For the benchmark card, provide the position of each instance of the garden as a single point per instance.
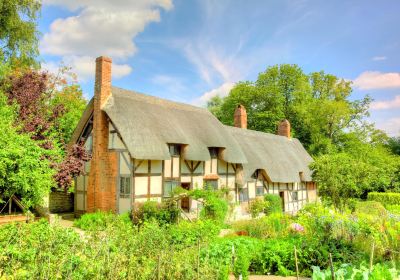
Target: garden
(153, 242)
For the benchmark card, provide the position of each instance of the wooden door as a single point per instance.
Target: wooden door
(185, 202)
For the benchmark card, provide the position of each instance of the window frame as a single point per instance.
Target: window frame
(297, 195)
(174, 150)
(174, 185)
(124, 187)
(257, 190)
(242, 192)
(213, 187)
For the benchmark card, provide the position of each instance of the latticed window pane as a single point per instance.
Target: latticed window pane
(295, 196)
(174, 150)
(259, 190)
(124, 187)
(169, 186)
(211, 184)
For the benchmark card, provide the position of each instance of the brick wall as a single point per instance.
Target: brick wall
(61, 202)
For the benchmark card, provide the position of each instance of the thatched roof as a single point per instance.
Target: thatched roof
(282, 158)
(147, 124)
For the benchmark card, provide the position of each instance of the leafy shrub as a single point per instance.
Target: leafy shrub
(100, 220)
(385, 198)
(189, 233)
(351, 272)
(394, 209)
(271, 226)
(215, 207)
(370, 208)
(165, 213)
(274, 204)
(256, 207)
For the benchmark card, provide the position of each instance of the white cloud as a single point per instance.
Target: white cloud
(100, 27)
(379, 58)
(222, 91)
(84, 67)
(377, 80)
(389, 104)
(391, 126)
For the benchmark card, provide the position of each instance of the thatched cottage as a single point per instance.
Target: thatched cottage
(143, 147)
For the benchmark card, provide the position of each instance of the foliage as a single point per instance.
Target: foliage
(394, 209)
(370, 208)
(24, 166)
(345, 175)
(47, 109)
(257, 206)
(18, 31)
(164, 213)
(271, 226)
(187, 233)
(394, 145)
(350, 272)
(100, 220)
(317, 105)
(215, 207)
(385, 198)
(274, 204)
(117, 251)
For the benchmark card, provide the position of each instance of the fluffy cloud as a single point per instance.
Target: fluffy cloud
(377, 80)
(221, 91)
(389, 104)
(100, 27)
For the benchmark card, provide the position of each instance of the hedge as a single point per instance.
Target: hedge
(385, 198)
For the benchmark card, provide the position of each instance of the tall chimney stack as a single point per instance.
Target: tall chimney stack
(101, 189)
(284, 128)
(240, 117)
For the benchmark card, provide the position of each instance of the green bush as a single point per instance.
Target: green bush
(394, 209)
(370, 208)
(165, 213)
(271, 226)
(100, 220)
(274, 204)
(351, 272)
(257, 206)
(385, 198)
(189, 233)
(215, 207)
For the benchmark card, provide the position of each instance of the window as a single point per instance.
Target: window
(213, 152)
(211, 184)
(259, 190)
(169, 186)
(174, 150)
(243, 195)
(295, 196)
(124, 186)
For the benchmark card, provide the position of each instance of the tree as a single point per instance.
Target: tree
(317, 105)
(18, 31)
(24, 166)
(394, 145)
(48, 109)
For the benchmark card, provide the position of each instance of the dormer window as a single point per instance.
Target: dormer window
(213, 152)
(174, 150)
(256, 174)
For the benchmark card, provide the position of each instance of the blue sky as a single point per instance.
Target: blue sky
(189, 51)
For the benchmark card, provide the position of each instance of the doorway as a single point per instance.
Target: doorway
(185, 201)
(282, 196)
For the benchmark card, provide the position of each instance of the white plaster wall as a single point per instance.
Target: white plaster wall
(140, 185)
(156, 166)
(252, 189)
(167, 168)
(142, 167)
(175, 171)
(156, 185)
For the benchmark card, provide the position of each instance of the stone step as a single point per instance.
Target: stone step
(67, 216)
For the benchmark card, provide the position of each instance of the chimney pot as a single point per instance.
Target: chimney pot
(284, 128)
(240, 117)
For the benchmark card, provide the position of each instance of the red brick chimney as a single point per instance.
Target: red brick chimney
(240, 117)
(284, 128)
(101, 192)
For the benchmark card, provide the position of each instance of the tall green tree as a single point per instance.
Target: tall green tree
(24, 166)
(18, 31)
(317, 105)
